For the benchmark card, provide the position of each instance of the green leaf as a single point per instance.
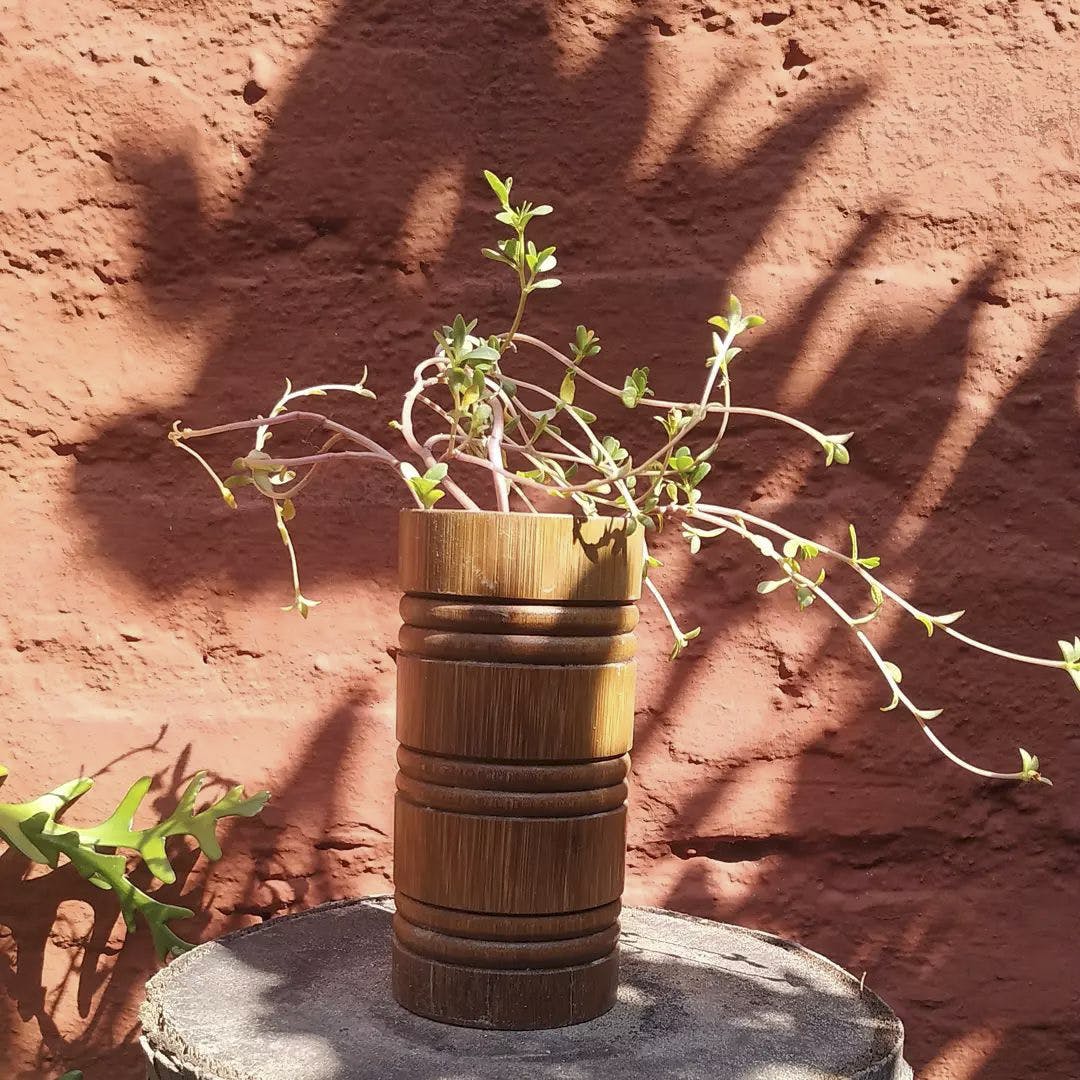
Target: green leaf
(928, 623)
(51, 803)
(585, 344)
(719, 320)
(854, 543)
(288, 510)
(482, 352)
(1029, 768)
(804, 596)
(766, 587)
(118, 830)
(835, 449)
(754, 320)
(894, 671)
(74, 1074)
(949, 619)
(546, 283)
(44, 840)
(701, 470)
(541, 211)
(500, 187)
(583, 414)
(426, 486)
(791, 548)
(635, 387)
(509, 248)
(111, 871)
(1071, 652)
(734, 307)
(302, 605)
(566, 389)
(682, 640)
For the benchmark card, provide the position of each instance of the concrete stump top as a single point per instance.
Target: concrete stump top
(307, 997)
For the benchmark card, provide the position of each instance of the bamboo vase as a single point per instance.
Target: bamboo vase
(515, 713)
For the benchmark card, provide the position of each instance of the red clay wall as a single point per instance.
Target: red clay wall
(201, 197)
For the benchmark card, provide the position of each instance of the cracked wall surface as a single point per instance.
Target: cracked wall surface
(199, 198)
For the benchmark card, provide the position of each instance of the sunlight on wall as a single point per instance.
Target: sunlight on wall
(431, 216)
(963, 1058)
(686, 88)
(579, 31)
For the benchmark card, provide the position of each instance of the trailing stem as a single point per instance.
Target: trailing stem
(538, 444)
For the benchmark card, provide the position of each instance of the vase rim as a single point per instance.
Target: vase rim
(462, 512)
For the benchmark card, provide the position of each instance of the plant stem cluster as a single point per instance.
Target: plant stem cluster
(538, 443)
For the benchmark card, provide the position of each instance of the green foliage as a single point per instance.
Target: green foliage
(34, 829)
(521, 255)
(636, 387)
(426, 486)
(1071, 651)
(539, 443)
(584, 345)
(836, 449)
(682, 640)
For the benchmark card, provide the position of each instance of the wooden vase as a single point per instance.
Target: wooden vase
(515, 714)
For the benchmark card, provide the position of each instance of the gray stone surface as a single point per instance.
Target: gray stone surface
(308, 998)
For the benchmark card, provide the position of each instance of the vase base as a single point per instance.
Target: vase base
(503, 999)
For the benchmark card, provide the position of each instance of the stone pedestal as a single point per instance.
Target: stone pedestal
(307, 997)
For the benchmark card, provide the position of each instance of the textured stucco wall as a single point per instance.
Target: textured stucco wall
(200, 197)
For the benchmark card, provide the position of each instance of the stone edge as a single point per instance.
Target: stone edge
(171, 1055)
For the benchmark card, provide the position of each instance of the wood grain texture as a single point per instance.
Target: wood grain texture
(511, 865)
(501, 776)
(516, 1000)
(485, 927)
(492, 617)
(515, 712)
(518, 556)
(515, 716)
(518, 648)
(462, 800)
(474, 952)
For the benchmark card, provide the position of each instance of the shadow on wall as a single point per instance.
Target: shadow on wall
(930, 911)
(332, 259)
(58, 918)
(303, 849)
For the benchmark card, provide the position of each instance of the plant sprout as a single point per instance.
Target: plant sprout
(33, 828)
(534, 442)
